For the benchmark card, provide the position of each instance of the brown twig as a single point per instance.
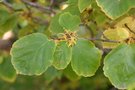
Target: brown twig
(129, 28)
(105, 36)
(51, 2)
(9, 6)
(103, 40)
(36, 19)
(47, 10)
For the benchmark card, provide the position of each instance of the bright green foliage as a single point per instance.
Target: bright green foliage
(69, 21)
(86, 58)
(7, 72)
(62, 55)
(32, 54)
(68, 39)
(83, 4)
(119, 66)
(115, 8)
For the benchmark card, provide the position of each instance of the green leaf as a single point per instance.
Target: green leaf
(83, 4)
(83, 32)
(86, 58)
(116, 34)
(26, 30)
(73, 9)
(69, 21)
(32, 54)
(115, 8)
(99, 17)
(1, 59)
(3, 16)
(18, 6)
(131, 87)
(55, 27)
(7, 72)
(70, 74)
(119, 66)
(72, 2)
(10, 22)
(62, 56)
(51, 74)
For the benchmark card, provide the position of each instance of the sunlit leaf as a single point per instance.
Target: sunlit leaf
(69, 21)
(86, 58)
(32, 54)
(119, 66)
(62, 55)
(118, 34)
(83, 4)
(115, 8)
(55, 27)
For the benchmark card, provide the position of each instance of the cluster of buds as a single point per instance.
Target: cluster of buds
(130, 40)
(69, 36)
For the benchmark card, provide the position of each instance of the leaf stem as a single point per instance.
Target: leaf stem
(103, 40)
(129, 28)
